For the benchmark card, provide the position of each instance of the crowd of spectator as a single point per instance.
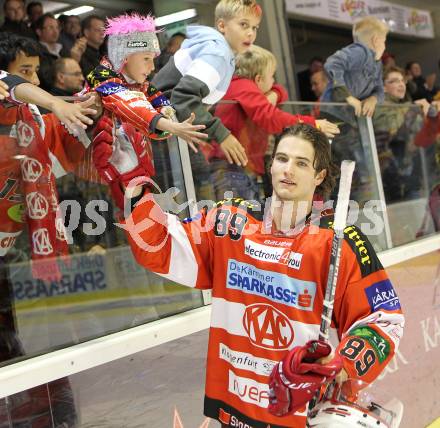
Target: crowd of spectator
(71, 47)
(81, 43)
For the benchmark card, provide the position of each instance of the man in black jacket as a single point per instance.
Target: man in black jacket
(67, 77)
(93, 30)
(14, 18)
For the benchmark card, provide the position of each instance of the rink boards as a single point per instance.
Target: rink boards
(149, 385)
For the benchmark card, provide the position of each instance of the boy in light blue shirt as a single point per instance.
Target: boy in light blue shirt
(200, 72)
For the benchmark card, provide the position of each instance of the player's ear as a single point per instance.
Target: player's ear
(320, 176)
(258, 78)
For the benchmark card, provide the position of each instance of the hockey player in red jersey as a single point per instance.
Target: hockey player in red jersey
(267, 268)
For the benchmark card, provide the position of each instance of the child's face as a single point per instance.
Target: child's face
(395, 85)
(240, 32)
(265, 81)
(378, 45)
(139, 66)
(25, 67)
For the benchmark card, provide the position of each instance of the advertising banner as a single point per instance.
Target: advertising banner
(401, 20)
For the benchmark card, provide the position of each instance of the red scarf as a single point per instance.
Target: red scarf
(44, 219)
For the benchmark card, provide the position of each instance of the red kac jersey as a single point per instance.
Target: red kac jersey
(267, 297)
(65, 152)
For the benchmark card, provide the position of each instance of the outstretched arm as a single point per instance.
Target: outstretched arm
(70, 114)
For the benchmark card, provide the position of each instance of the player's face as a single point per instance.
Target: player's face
(395, 85)
(294, 177)
(240, 32)
(139, 66)
(25, 67)
(266, 80)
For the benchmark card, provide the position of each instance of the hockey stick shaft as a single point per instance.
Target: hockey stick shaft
(347, 168)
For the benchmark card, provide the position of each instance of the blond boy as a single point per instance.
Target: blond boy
(200, 72)
(252, 117)
(355, 72)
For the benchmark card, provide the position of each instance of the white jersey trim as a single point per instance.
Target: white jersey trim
(183, 264)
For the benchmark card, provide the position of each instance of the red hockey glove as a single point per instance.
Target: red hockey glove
(296, 378)
(120, 153)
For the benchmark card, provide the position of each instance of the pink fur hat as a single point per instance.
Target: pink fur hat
(128, 34)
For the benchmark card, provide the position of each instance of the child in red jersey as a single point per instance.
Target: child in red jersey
(252, 117)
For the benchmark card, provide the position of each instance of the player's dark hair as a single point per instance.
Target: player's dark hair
(12, 44)
(323, 157)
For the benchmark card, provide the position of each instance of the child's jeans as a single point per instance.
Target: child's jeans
(227, 177)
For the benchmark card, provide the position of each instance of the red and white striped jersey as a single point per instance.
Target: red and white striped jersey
(66, 153)
(267, 297)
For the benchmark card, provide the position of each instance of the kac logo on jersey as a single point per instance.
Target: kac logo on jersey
(31, 169)
(382, 295)
(41, 242)
(25, 134)
(267, 327)
(37, 206)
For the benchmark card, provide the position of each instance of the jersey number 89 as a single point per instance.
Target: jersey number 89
(230, 224)
(354, 350)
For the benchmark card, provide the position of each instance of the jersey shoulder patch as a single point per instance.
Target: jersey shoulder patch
(361, 246)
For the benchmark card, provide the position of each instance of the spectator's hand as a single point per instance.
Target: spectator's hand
(187, 131)
(3, 90)
(97, 105)
(356, 104)
(436, 105)
(424, 104)
(97, 250)
(78, 49)
(74, 114)
(234, 151)
(328, 128)
(272, 97)
(369, 105)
